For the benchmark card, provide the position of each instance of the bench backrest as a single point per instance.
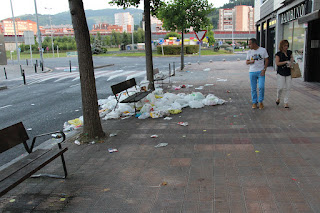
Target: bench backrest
(117, 88)
(155, 71)
(12, 136)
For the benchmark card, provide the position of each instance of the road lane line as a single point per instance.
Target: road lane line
(5, 106)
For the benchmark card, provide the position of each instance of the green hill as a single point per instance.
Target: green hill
(93, 17)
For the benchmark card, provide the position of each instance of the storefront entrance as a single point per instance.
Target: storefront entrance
(312, 72)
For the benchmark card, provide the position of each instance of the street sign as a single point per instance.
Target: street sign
(201, 34)
(28, 37)
(161, 40)
(3, 56)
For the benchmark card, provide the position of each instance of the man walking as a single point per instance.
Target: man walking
(257, 58)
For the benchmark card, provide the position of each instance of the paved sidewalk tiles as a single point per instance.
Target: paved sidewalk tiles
(230, 158)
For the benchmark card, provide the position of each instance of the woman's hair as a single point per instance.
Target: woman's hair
(282, 43)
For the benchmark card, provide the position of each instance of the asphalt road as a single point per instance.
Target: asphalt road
(44, 106)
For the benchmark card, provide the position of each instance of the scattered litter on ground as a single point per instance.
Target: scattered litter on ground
(164, 183)
(77, 142)
(29, 129)
(111, 150)
(106, 189)
(204, 130)
(206, 69)
(167, 118)
(56, 135)
(154, 136)
(62, 199)
(161, 145)
(228, 91)
(76, 110)
(199, 88)
(183, 123)
(221, 79)
(113, 134)
(208, 85)
(257, 151)
(92, 142)
(189, 63)
(32, 104)
(12, 200)
(184, 136)
(294, 179)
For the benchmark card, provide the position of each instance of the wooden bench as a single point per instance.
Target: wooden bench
(156, 71)
(117, 90)
(25, 167)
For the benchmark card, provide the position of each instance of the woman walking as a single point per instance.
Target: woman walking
(284, 61)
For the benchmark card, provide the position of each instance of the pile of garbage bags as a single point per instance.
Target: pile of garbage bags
(155, 105)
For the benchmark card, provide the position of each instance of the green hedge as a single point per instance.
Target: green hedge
(176, 50)
(192, 49)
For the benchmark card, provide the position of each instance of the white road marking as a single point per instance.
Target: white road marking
(5, 106)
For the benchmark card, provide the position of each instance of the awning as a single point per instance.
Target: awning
(309, 17)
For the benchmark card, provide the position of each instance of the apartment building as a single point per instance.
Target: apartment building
(106, 28)
(125, 20)
(239, 18)
(21, 26)
(57, 30)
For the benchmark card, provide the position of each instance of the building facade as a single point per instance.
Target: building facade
(239, 18)
(105, 28)
(297, 21)
(57, 30)
(125, 20)
(21, 26)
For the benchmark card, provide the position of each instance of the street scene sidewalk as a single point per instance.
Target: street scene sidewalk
(229, 158)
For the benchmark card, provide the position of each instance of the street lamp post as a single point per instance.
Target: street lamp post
(50, 19)
(132, 30)
(39, 33)
(232, 31)
(15, 34)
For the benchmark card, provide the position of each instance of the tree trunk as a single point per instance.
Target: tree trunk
(148, 48)
(91, 120)
(182, 52)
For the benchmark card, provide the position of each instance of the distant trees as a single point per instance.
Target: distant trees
(68, 43)
(172, 34)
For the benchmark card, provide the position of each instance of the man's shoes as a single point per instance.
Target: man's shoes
(278, 101)
(286, 106)
(261, 105)
(254, 106)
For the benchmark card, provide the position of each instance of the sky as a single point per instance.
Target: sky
(22, 7)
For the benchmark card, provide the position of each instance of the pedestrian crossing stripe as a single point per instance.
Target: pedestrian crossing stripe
(41, 77)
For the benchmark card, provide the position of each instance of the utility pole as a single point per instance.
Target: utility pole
(15, 33)
(39, 33)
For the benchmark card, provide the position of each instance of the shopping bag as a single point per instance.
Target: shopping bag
(295, 71)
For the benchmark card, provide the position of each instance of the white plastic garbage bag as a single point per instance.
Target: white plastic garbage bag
(146, 108)
(196, 104)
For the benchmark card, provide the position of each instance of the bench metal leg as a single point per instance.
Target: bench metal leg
(55, 176)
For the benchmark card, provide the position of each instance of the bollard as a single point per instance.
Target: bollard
(174, 69)
(35, 68)
(24, 77)
(21, 69)
(5, 73)
(41, 66)
(70, 64)
(37, 62)
(27, 62)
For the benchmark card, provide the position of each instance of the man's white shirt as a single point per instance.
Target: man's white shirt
(258, 56)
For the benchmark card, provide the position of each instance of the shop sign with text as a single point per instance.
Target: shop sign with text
(292, 14)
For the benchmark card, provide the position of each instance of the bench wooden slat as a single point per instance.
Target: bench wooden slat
(136, 97)
(117, 88)
(17, 177)
(12, 136)
(23, 162)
